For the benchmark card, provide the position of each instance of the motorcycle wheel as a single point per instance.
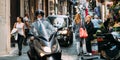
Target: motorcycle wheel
(66, 44)
(30, 57)
(51, 58)
(71, 39)
(33, 57)
(104, 55)
(56, 56)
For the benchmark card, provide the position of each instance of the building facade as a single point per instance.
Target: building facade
(9, 10)
(4, 27)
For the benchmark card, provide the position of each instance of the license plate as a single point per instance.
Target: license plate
(99, 39)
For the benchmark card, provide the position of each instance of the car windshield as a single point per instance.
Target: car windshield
(58, 22)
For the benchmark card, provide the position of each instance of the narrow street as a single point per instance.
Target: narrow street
(96, 20)
(68, 53)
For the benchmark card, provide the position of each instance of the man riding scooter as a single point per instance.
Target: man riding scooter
(40, 19)
(43, 44)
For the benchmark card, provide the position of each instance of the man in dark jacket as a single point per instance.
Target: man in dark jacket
(39, 26)
(89, 27)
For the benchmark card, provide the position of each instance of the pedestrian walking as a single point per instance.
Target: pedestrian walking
(89, 27)
(19, 25)
(77, 22)
(26, 27)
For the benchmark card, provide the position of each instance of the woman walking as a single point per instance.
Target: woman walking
(77, 26)
(19, 25)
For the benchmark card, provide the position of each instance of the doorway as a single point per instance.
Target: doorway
(14, 13)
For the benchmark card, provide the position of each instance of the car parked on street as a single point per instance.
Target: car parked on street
(64, 26)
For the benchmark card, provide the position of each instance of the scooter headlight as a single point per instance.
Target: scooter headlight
(47, 49)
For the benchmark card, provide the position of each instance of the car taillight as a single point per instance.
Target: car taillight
(99, 39)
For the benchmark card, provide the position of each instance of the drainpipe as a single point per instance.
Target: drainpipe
(103, 12)
(56, 4)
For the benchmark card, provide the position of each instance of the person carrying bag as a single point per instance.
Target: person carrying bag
(19, 32)
(83, 35)
(89, 28)
(14, 33)
(80, 41)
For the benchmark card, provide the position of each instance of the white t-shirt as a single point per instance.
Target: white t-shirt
(20, 26)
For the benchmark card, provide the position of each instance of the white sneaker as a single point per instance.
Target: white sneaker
(88, 54)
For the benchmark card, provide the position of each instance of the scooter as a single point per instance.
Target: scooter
(109, 45)
(44, 47)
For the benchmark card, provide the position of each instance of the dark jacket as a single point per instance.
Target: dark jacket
(90, 31)
(106, 23)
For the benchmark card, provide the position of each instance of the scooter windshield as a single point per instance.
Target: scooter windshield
(42, 30)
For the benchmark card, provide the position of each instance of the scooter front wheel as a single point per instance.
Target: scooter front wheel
(33, 57)
(56, 56)
(51, 58)
(30, 57)
(104, 55)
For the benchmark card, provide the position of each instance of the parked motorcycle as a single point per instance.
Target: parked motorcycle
(44, 47)
(109, 45)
